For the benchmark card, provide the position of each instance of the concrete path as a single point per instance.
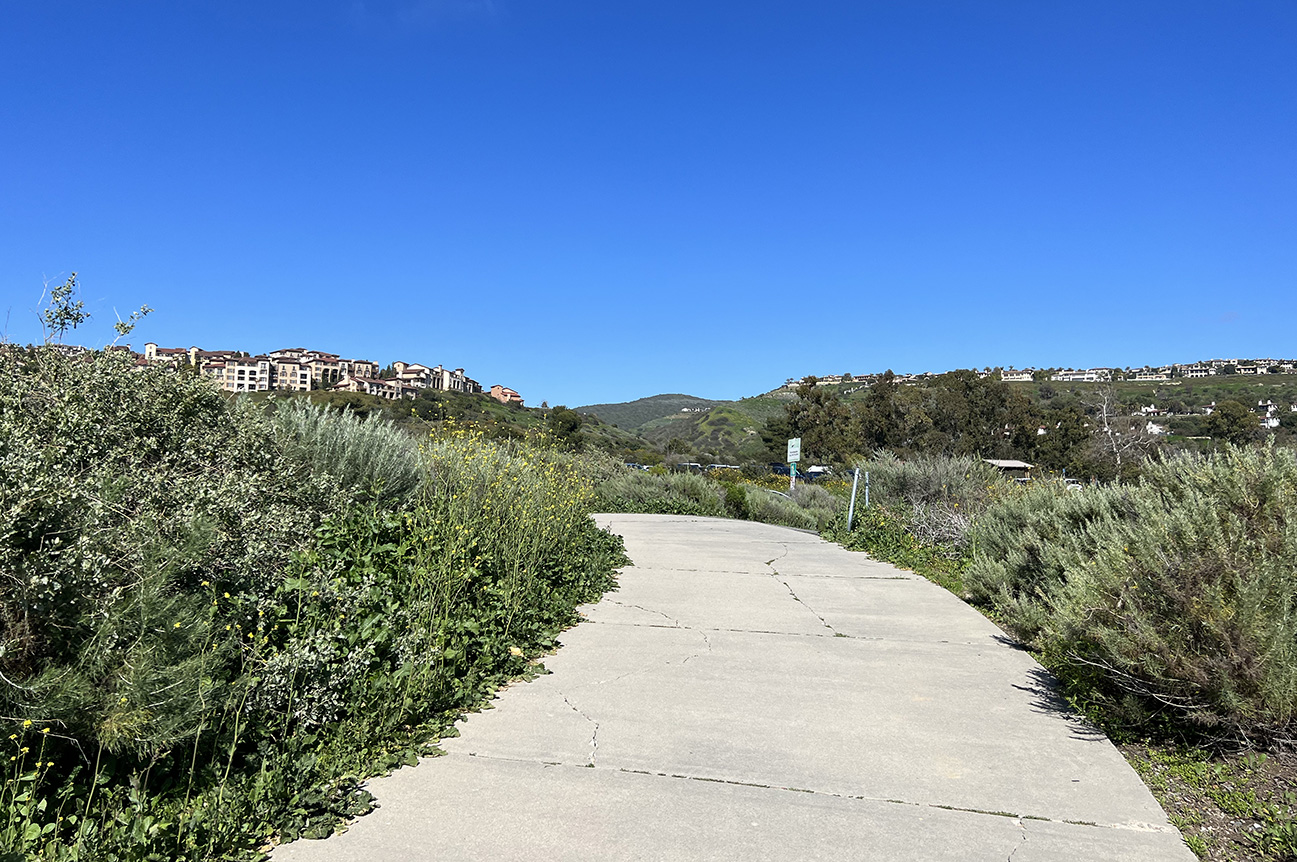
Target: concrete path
(752, 692)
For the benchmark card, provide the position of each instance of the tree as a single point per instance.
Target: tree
(1232, 422)
(565, 425)
(1122, 438)
(63, 313)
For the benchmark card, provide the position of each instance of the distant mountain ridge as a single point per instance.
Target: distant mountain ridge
(634, 415)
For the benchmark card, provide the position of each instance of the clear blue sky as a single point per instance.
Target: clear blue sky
(600, 201)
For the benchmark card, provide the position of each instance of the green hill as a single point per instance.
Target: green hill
(729, 431)
(633, 415)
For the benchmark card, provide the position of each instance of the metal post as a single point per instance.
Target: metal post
(866, 489)
(792, 477)
(851, 508)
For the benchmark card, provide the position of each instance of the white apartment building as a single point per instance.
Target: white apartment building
(241, 374)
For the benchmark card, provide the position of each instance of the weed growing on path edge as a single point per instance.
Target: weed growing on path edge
(1229, 806)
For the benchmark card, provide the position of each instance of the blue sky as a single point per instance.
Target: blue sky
(600, 201)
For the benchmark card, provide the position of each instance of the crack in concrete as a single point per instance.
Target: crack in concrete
(678, 776)
(1019, 847)
(594, 737)
(706, 641)
(774, 573)
(675, 623)
(786, 552)
(900, 576)
(778, 577)
(698, 571)
(963, 810)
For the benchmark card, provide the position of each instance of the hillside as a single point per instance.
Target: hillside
(633, 415)
(730, 431)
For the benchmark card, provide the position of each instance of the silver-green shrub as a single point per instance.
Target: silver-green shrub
(670, 493)
(935, 496)
(1178, 595)
(770, 507)
(369, 457)
(931, 479)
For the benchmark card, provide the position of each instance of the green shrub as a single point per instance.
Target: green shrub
(205, 645)
(886, 535)
(1176, 597)
(736, 501)
(127, 497)
(936, 497)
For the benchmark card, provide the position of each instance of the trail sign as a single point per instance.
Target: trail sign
(794, 450)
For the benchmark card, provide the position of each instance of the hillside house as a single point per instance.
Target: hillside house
(390, 389)
(505, 395)
(1078, 375)
(413, 374)
(1012, 376)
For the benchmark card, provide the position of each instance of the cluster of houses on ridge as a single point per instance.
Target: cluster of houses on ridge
(298, 369)
(1148, 373)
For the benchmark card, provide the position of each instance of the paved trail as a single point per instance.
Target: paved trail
(752, 692)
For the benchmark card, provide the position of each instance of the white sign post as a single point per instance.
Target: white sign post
(794, 455)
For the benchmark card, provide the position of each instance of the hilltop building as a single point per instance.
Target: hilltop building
(1089, 375)
(294, 369)
(505, 395)
(438, 378)
(393, 390)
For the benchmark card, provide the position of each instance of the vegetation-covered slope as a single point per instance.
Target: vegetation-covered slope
(633, 415)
